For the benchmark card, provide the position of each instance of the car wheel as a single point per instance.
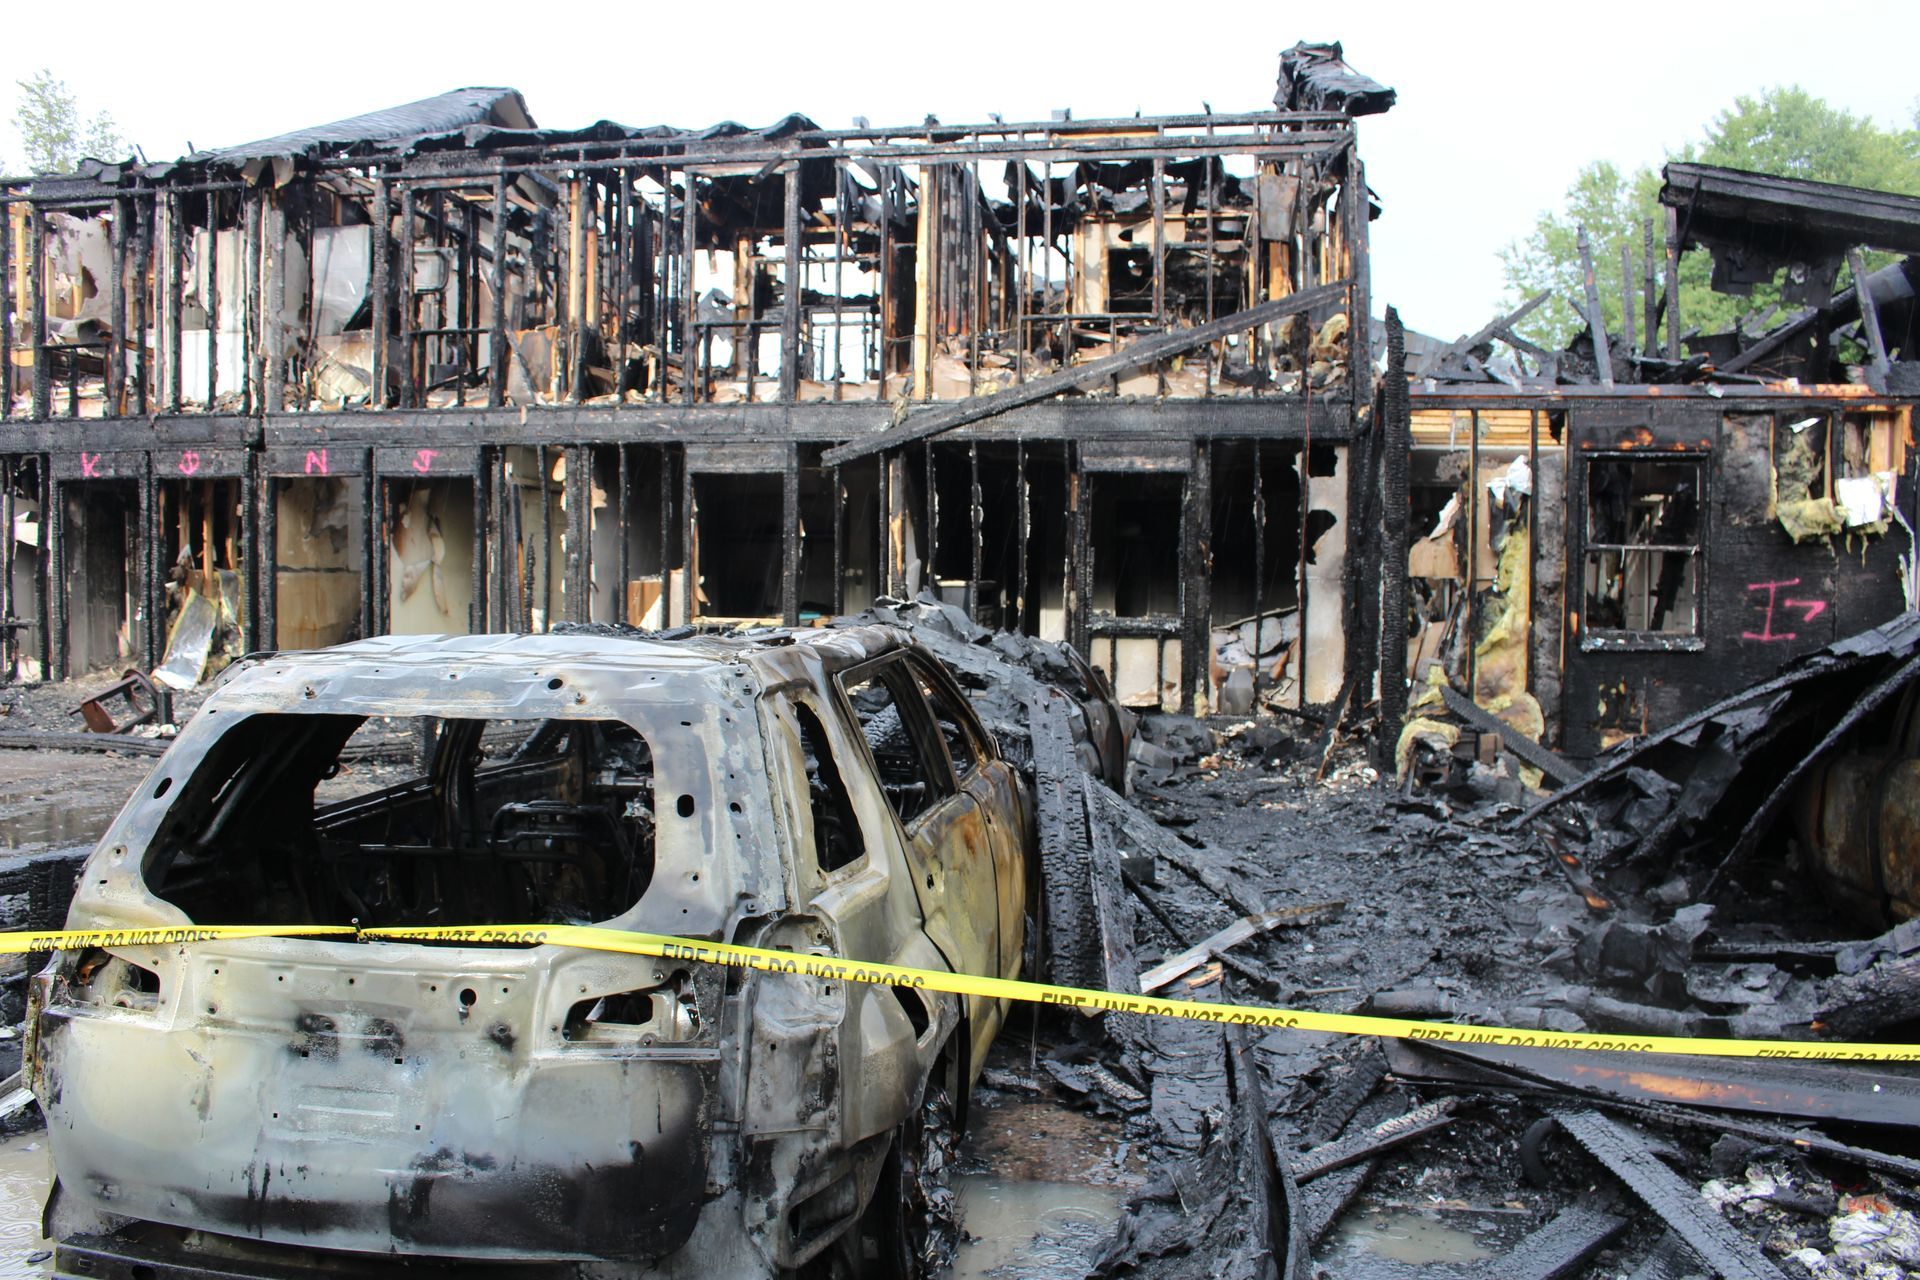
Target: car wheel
(912, 1225)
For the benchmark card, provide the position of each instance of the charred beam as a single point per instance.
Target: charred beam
(1677, 1202)
(918, 426)
(1596, 319)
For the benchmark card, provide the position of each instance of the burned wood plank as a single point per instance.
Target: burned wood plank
(1159, 842)
(1786, 332)
(1279, 1226)
(1526, 748)
(1777, 952)
(1231, 1196)
(1367, 1143)
(1322, 1203)
(1560, 1248)
(1762, 818)
(1627, 296)
(1669, 1260)
(1520, 344)
(1414, 1064)
(1671, 298)
(1649, 287)
(1069, 934)
(1676, 1201)
(927, 422)
(1596, 320)
(1340, 1100)
(1395, 464)
(1113, 919)
(1869, 321)
(1883, 996)
(1235, 934)
(1619, 762)
(1491, 330)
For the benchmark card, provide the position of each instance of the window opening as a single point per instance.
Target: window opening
(1643, 547)
(836, 832)
(951, 721)
(1800, 458)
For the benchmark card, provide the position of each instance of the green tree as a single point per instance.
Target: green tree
(48, 121)
(1613, 207)
(1784, 131)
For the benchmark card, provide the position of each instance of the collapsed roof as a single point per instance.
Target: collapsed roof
(1316, 77)
(1776, 222)
(443, 113)
(1759, 229)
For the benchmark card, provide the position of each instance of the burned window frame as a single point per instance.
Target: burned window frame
(787, 708)
(1629, 640)
(937, 692)
(916, 720)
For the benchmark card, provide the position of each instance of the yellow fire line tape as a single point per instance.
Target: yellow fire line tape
(646, 944)
(828, 967)
(81, 939)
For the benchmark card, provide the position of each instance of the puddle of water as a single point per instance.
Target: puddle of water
(1041, 1185)
(1039, 1229)
(52, 826)
(1403, 1236)
(23, 1185)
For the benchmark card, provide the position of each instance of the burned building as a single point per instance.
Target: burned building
(437, 369)
(1599, 547)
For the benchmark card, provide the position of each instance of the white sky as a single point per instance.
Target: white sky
(1499, 105)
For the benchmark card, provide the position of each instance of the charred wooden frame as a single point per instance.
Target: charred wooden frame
(548, 298)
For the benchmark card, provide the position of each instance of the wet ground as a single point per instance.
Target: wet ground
(58, 799)
(1041, 1183)
(23, 1185)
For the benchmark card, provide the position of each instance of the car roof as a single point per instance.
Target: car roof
(607, 647)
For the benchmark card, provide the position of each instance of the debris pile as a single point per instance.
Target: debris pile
(1258, 880)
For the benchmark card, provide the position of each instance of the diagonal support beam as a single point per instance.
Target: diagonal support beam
(927, 422)
(1492, 329)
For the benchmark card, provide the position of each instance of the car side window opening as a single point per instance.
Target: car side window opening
(889, 707)
(837, 841)
(952, 723)
(298, 819)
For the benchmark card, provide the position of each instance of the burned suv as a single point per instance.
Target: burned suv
(824, 792)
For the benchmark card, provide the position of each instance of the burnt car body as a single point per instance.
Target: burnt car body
(824, 792)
